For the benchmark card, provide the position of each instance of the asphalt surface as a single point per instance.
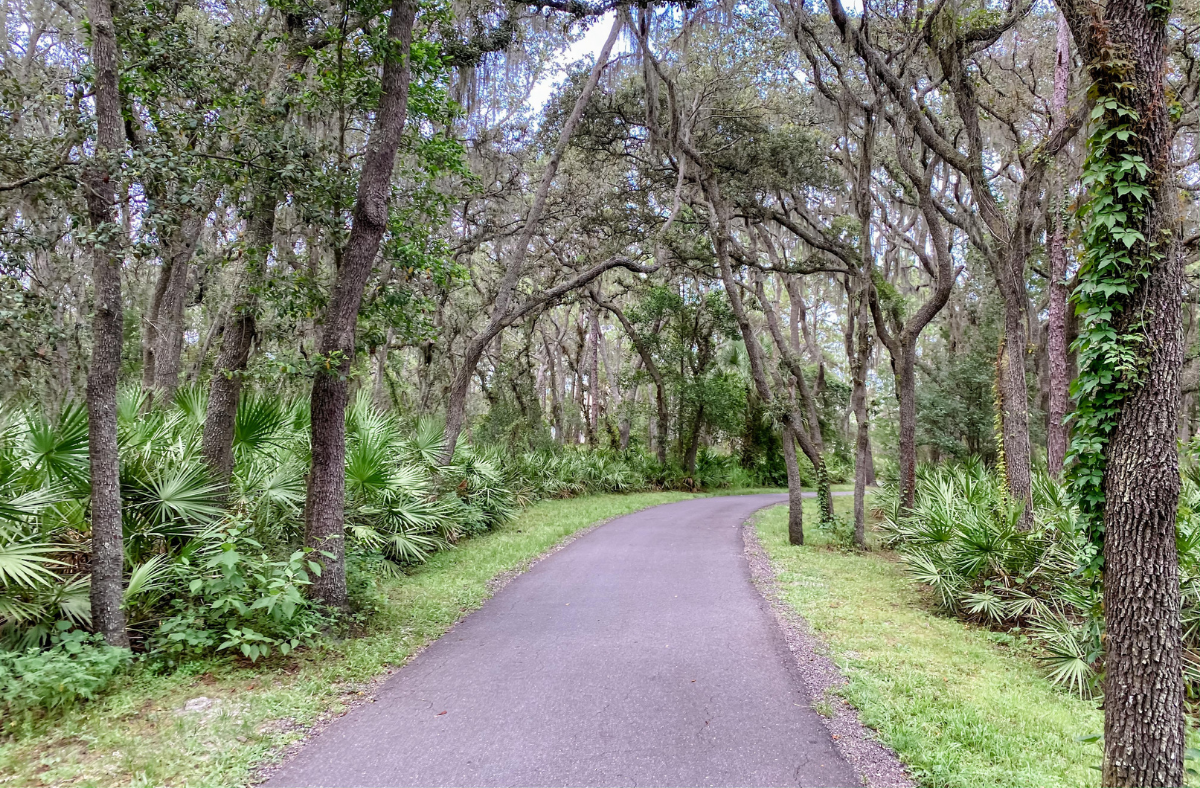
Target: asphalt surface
(640, 654)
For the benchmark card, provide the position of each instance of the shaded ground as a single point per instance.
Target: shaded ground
(639, 655)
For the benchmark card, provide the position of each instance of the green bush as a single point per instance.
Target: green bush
(211, 574)
(35, 680)
(962, 540)
(238, 598)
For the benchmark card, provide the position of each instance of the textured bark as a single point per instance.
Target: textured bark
(795, 488)
(379, 394)
(594, 369)
(107, 561)
(860, 321)
(1056, 326)
(1143, 686)
(1015, 395)
(324, 511)
(693, 444)
(225, 389)
(858, 344)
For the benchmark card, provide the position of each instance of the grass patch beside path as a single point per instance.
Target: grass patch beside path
(138, 735)
(961, 705)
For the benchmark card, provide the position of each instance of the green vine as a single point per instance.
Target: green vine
(1116, 261)
(998, 419)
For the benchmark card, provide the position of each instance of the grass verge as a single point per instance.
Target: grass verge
(961, 705)
(139, 734)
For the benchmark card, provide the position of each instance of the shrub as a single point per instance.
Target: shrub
(35, 681)
(962, 540)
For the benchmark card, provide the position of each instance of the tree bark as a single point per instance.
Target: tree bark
(225, 389)
(1124, 45)
(795, 488)
(163, 343)
(1056, 326)
(107, 561)
(594, 369)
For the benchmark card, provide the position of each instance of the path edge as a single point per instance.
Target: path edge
(877, 765)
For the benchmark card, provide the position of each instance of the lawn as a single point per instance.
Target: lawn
(961, 705)
(140, 734)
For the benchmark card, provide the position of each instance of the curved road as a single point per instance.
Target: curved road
(641, 654)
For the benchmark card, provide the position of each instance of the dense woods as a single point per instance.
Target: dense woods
(294, 295)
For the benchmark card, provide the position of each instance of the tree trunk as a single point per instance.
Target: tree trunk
(906, 395)
(162, 344)
(795, 488)
(107, 561)
(241, 325)
(379, 394)
(594, 369)
(225, 388)
(1126, 53)
(1015, 410)
(693, 446)
(1056, 327)
(324, 510)
(858, 400)
(169, 349)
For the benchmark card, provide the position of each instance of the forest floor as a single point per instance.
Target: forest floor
(961, 705)
(216, 723)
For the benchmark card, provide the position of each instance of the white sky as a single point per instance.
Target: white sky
(590, 45)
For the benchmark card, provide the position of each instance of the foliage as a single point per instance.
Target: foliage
(960, 704)
(140, 716)
(963, 541)
(76, 666)
(208, 577)
(1117, 257)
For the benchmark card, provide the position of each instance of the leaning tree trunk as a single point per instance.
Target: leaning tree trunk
(324, 511)
(99, 182)
(456, 405)
(1015, 410)
(858, 398)
(169, 349)
(906, 395)
(163, 342)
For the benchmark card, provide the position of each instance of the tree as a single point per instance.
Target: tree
(1125, 468)
(100, 180)
(324, 512)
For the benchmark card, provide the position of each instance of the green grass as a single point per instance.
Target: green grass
(136, 735)
(961, 705)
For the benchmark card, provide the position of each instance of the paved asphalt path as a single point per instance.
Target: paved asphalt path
(640, 654)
